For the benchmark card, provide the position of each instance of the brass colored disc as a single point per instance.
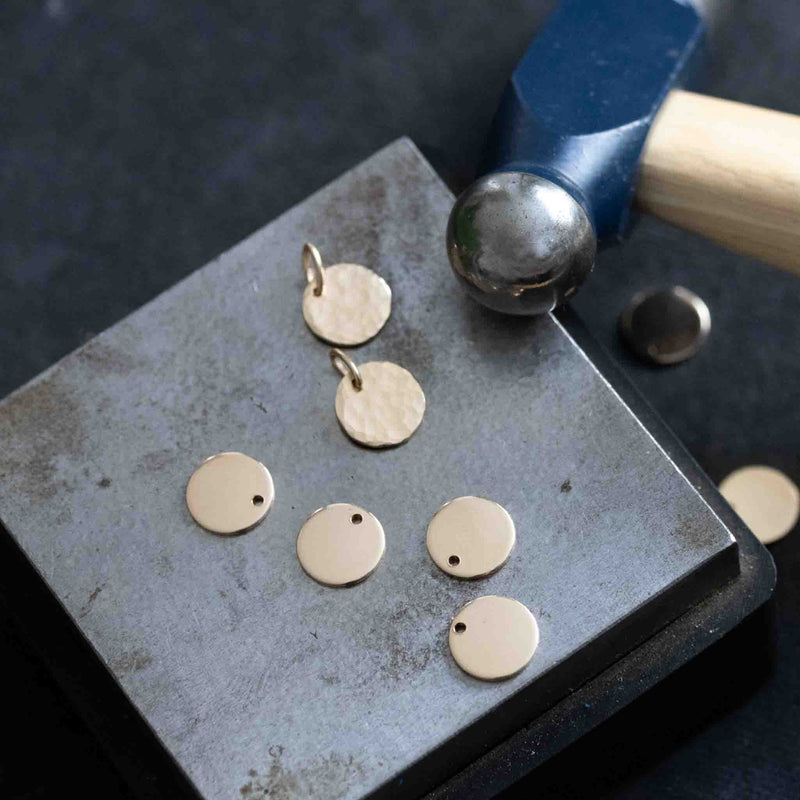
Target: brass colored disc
(352, 308)
(230, 493)
(767, 501)
(471, 537)
(493, 638)
(341, 544)
(386, 410)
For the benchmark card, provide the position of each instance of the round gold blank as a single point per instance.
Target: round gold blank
(493, 638)
(471, 537)
(230, 493)
(352, 308)
(386, 410)
(341, 544)
(767, 501)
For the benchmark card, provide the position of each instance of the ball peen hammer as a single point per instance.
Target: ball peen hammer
(592, 117)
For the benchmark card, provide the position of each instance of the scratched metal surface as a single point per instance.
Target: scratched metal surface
(259, 681)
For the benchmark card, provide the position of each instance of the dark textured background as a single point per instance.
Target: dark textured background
(140, 139)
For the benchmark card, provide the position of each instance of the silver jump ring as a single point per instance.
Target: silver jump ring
(346, 367)
(312, 266)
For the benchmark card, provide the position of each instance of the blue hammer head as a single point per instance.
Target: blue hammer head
(561, 161)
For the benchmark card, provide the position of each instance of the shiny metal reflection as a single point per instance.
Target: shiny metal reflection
(665, 326)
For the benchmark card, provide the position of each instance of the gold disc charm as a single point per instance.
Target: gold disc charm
(230, 493)
(493, 638)
(340, 545)
(378, 404)
(767, 501)
(344, 304)
(471, 537)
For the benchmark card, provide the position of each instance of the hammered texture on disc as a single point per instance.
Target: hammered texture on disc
(341, 544)
(471, 537)
(230, 493)
(493, 638)
(386, 410)
(354, 305)
(767, 501)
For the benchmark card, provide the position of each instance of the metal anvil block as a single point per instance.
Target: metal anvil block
(256, 680)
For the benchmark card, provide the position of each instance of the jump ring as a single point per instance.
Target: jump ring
(312, 266)
(346, 367)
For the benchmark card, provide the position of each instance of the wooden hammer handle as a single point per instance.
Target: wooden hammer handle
(729, 171)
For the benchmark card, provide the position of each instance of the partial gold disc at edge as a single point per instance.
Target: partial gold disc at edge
(493, 638)
(767, 501)
(354, 305)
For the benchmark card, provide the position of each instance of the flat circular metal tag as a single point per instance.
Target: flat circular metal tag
(341, 544)
(767, 501)
(665, 327)
(352, 307)
(471, 537)
(386, 410)
(493, 638)
(230, 493)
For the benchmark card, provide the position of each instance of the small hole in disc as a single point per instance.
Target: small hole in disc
(454, 561)
(459, 627)
(356, 519)
(258, 500)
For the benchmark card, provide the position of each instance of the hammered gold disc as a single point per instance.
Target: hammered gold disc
(493, 638)
(230, 493)
(386, 410)
(471, 537)
(340, 545)
(352, 308)
(767, 501)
